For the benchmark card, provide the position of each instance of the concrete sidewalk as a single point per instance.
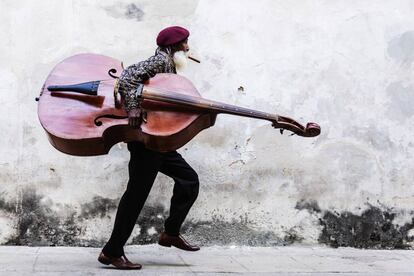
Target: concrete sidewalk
(156, 260)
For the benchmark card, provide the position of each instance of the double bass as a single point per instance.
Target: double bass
(81, 110)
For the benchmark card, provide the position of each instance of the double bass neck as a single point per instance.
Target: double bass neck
(201, 104)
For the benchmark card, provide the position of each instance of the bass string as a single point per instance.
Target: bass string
(214, 104)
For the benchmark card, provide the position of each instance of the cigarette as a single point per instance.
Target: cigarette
(194, 59)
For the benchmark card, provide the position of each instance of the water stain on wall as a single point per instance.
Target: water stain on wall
(133, 12)
(6, 206)
(98, 207)
(151, 218)
(129, 11)
(402, 100)
(310, 205)
(373, 135)
(401, 48)
(29, 138)
(374, 228)
(216, 232)
(38, 224)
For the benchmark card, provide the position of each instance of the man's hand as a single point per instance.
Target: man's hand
(134, 117)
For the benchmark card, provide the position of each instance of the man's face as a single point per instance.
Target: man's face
(184, 46)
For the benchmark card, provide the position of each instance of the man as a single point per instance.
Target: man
(144, 164)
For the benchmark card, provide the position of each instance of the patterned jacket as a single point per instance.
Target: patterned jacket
(161, 62)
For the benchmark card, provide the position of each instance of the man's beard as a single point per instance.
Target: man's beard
(181, 60)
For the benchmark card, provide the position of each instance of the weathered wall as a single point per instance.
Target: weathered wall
(347, 65)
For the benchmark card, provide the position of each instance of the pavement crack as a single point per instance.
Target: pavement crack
(242, 265)
(182, 259)
(302, 263)
(35, 261)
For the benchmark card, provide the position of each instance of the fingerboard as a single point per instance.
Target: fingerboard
(202, 104)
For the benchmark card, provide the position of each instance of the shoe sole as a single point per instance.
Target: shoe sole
(121, 268)
(104, 262)
(169, 245)
(164, 244)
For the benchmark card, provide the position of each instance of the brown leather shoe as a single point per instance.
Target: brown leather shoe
(119, 262)
(176, 241)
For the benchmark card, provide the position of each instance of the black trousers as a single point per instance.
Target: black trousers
(143, 168)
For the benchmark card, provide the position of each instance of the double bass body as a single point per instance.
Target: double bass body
(70, 119)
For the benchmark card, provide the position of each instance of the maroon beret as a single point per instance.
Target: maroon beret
(172, 35)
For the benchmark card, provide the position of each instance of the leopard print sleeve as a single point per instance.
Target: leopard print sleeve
(139, 73)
